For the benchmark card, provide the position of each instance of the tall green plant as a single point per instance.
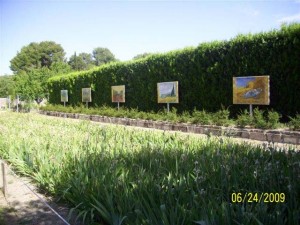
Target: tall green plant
(118, 175)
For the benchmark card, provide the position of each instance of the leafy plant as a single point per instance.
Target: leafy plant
(294, 122)
(198, 117)
(259, 119)
(221, 117)
(118, 175)
(201, 117)
(185, 117)
(273, 119)
(244, 119)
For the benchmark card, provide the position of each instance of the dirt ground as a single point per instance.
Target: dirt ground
(22, 206)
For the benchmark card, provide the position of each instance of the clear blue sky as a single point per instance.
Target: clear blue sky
(129, 28)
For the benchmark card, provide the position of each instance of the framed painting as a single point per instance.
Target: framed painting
(253, 90)
(86, 95)
(118, 93)
(167, 92)
(64, 96)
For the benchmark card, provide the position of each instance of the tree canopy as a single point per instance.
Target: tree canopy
(33, 84)
(139, 56)
(37, 62)
(7, 86)
(102, 56)
(37, 55)
(83, 61)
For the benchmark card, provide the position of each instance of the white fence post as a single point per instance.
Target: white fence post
(4, 179)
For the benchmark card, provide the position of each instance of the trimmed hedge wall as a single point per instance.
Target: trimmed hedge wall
(204, 74)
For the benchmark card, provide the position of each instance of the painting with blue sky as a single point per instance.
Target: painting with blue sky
(251, 90)
(167, 92)
(244, 81)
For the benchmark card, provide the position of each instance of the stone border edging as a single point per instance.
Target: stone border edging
(279, 136)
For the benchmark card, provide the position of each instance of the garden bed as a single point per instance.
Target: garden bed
(277, 135)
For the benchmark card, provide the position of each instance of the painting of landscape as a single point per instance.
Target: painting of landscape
(118, 93)
(86, 95)
(251, 90)
(64, 95)
(167, 92)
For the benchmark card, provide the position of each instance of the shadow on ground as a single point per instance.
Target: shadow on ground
(34, 213)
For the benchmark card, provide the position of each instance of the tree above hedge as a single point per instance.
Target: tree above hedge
(102, 56)
(83, 61)
(37, 55)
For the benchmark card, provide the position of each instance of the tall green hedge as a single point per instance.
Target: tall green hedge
(204, 74)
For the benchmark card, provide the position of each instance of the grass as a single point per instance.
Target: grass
(295, 122)
(119, 175)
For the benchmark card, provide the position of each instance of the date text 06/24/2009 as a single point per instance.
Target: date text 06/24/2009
(249, 197)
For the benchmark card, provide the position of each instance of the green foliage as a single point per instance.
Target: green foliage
(83, 61)
(140, 56)
(34, 65)
(170, 116)
(116, 175)
(37, 55)
(204, 74)
(185, 117)
(28, 85)
(244, 119)
(259, 119)
(273, 119)
(7, 86)
(102, 56)
(221, 117)
(60, 67)
(33, 84)
(262, 121)
(201, 117)
(294, 122)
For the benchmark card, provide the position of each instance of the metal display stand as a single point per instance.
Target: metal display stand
(17, 103)
(8, 100)
(4, 189)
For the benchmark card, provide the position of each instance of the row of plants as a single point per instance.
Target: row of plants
(204, 74)
(113, 175)
(260, 119)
